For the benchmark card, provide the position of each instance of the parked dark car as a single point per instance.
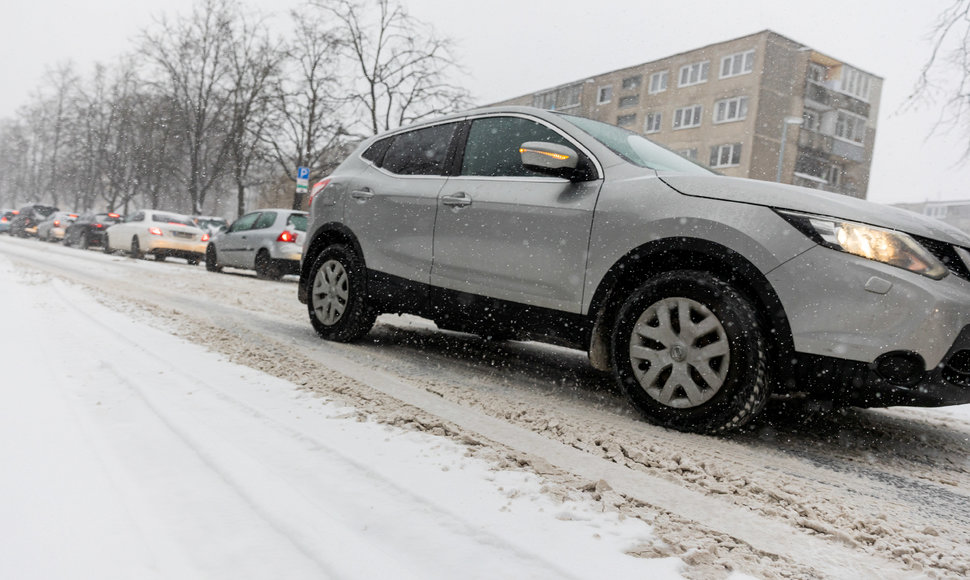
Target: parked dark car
(6, 216)
(25, 223)
(88, 230)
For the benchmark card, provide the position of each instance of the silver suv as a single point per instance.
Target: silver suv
(702, 294)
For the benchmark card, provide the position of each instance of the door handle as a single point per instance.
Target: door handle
(362, 194)
(459, 199)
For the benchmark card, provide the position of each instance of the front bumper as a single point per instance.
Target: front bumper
(850, 313)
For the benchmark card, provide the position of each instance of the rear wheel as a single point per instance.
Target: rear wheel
(337, 299)
(265, 266)
(211, 260)
(688, 350)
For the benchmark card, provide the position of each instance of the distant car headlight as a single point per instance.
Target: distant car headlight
(882, 245)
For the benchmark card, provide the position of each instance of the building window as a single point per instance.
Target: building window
(728, 155)
(688, 117)
(694, 74)
(632, 83)
(569, 96)
(834, 175)
(730, 109)
(545, 100)
(736, 64)
(658, 82)
(810, 120)
(935, 211)
(855, 83)
(562, 98)
(604, 95)
(654, 123)
(850, 127)
(626, 120)
(689, 153)
(629, 101)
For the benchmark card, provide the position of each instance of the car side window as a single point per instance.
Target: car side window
(244, 223)
(267, 219)
(492, 148)
(137, 217)
(419, 152)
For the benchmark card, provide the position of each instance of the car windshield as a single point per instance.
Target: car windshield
(167, 218)
(298, 221)
(637, 149)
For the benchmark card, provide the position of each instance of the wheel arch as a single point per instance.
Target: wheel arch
(683, 253)
(327, 234)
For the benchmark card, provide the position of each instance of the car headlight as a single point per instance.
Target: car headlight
(882, 245)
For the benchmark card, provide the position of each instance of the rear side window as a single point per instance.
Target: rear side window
(298, 221)
(493, 145)
(265, 220)
(419, 152)
(376, 151)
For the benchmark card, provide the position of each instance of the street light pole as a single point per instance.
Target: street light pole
(784, 139)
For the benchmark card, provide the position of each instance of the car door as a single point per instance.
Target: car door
(256, 238)
(231, 246)
(391, 205)
(506, 232)
(120, 235)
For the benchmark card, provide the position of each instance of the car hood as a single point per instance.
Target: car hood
(803, 199)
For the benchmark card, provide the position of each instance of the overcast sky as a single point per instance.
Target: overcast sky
(512, 47)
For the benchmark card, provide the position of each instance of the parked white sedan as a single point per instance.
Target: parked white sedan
(162, 234)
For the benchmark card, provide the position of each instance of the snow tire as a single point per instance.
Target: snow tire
(689, 352)
(337, 301)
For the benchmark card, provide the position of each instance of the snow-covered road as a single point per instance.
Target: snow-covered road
(186, 424)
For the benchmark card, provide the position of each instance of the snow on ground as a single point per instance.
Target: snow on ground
(130, 453)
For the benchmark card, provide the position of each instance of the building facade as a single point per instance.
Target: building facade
(955, 213)
(730, 105)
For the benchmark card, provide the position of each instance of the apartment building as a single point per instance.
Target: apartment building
(761, 106)
(955, 213)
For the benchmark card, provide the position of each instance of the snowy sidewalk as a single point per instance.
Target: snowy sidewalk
(129, 453)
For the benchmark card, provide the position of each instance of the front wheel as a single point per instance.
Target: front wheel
(688, 350)
(337, 299)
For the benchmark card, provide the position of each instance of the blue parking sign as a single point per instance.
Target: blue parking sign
(303, 173)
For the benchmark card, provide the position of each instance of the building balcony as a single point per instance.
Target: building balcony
(826, 98)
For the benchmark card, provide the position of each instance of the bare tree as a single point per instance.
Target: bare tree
(400, 67)
(306, 99)
(191, 57)
(254, 66)
(946, 73)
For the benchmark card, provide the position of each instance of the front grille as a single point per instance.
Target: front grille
(947, 254)
(957, 369)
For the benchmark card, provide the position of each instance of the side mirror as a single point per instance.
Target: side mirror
(549, 158)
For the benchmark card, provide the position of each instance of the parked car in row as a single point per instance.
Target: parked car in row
(702, 294)
(210, 224)
(52, 229)
(6, 216)
(25, 223)
(88, 230)
(268, 241)
(162, 234)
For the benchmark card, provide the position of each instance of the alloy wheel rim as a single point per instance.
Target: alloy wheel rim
(679, 352)
(331, 290)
